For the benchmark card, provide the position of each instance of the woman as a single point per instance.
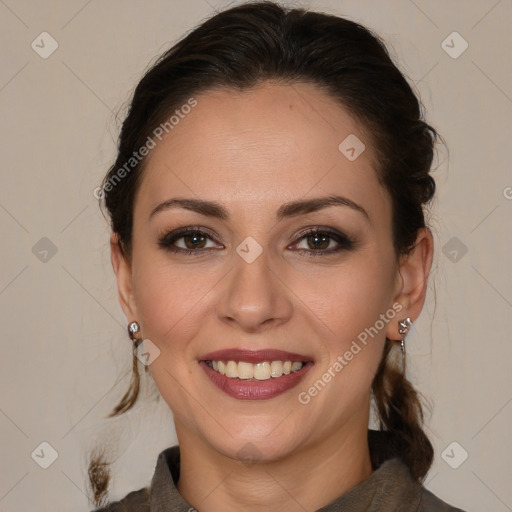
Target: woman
(271, 253)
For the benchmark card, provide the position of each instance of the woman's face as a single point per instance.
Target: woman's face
(254, 281)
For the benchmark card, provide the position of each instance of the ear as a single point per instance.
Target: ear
(413, 273)
(123, 272)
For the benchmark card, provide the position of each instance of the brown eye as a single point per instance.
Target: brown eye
(187, 241)
(194, 241)
(318, 242)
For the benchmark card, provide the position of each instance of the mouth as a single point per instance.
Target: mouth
(255, 375)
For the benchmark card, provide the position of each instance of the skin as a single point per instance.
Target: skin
(253, 151)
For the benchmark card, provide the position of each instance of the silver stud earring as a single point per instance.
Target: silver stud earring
(403, 328)
(404, 325)
(133, 329)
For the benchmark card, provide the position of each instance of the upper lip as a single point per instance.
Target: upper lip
(253, 356)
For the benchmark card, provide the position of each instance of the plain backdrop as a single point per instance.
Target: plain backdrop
(65, 353)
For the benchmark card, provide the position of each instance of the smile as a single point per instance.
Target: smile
(260, 371)
(255, 375)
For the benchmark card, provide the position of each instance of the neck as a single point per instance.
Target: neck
(305, 480)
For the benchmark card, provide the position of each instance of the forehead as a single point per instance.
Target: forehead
(261, 147)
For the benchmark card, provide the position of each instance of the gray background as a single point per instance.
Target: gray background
(65, 355)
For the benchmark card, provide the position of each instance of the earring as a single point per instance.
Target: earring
(404, 325)
(133, 329)
(403, 328)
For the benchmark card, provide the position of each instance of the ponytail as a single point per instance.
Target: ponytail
(401, 414)
(98, 467)
(132, 393)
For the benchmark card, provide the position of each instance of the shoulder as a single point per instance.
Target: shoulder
(135, 501)
(431, 503)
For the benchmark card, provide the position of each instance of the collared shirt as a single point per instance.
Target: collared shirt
(390, 488)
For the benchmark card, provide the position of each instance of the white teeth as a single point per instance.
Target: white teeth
(245, 370)
(259, 371)
(276, 368)
(231, 369)
(262, 371)
(296, 366)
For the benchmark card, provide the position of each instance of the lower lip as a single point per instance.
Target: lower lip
(255, 389)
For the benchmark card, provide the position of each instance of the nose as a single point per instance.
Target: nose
(254, 296)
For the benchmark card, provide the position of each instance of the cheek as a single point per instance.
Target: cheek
(170, 298)
(355, 302)
(346, 298)
(171, 301)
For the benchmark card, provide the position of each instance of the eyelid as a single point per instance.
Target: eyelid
(317, 228)
(188, 229)
(344, 241)
(173, 235)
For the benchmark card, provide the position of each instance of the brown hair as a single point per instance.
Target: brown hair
(257, 41)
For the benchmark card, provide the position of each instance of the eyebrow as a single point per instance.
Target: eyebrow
(292, 209)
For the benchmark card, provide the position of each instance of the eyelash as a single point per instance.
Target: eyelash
(344, 242)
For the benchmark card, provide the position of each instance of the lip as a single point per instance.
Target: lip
(254, 356)
(252, 389)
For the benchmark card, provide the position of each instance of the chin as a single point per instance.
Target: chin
(253, 442)
(251, 451)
